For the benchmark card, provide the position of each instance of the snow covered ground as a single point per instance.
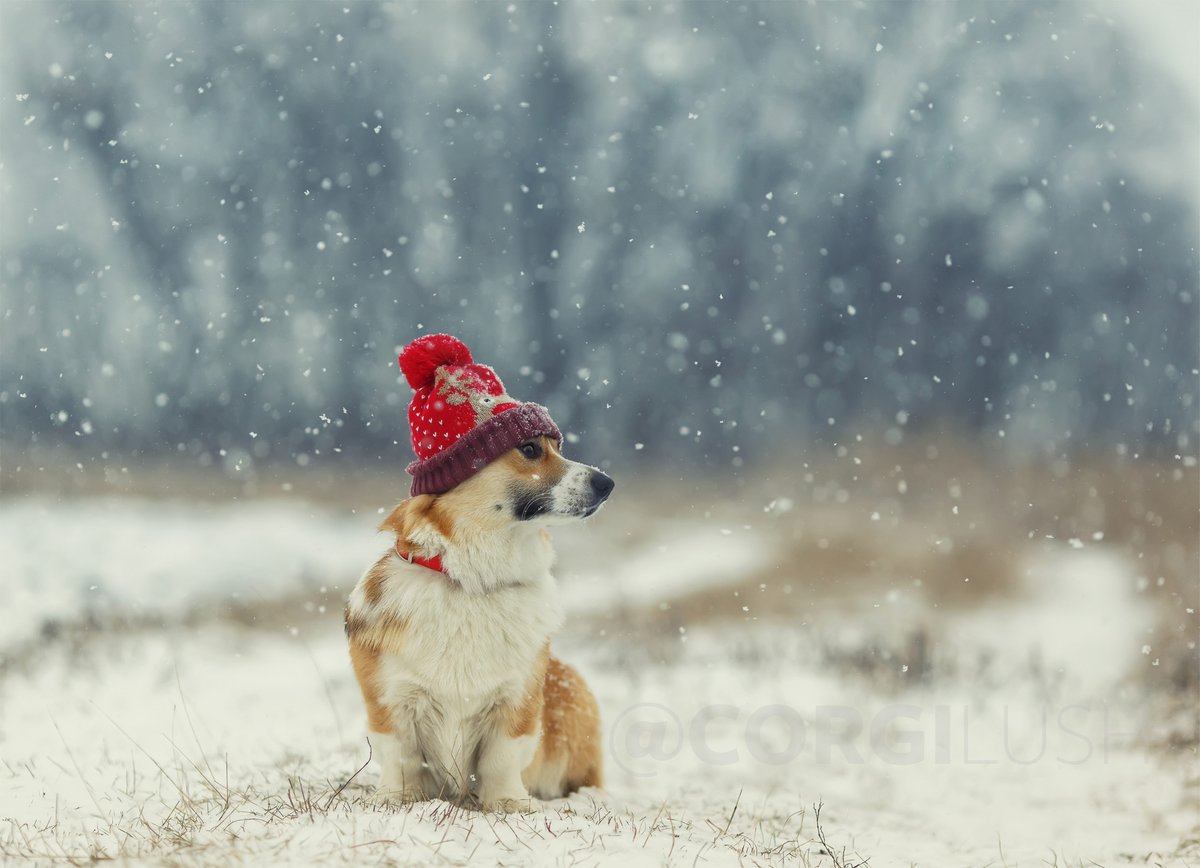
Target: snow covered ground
(210, 741)
(66, 561)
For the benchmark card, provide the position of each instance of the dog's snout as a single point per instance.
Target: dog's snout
(602, 483)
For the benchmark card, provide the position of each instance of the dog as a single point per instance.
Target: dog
(449, 635)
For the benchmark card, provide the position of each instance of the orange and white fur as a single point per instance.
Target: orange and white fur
(464, 700)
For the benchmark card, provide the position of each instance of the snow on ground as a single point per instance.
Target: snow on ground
(217, 743)
(683, 559)
(1080, 616)
(223, 744)
(66, 561)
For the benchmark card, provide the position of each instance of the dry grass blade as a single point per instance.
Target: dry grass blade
(346, 782)
(839, 857)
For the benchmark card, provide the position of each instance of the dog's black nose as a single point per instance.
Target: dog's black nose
(602, 484)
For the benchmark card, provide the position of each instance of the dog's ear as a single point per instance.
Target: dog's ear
(395, 519)
(400, 519)
(407, 514)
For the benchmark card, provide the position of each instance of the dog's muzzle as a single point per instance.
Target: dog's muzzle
(602, 486)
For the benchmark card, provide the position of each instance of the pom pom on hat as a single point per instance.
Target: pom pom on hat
(420, 359)
(461, 418)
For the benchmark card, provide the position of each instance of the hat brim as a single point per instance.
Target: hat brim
(480, 446)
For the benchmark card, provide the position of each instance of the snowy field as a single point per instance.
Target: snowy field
(174, 686)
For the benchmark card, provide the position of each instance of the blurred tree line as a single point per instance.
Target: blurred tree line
(709, 228)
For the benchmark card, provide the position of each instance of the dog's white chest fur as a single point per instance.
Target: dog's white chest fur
(462, 654)
(468, 645)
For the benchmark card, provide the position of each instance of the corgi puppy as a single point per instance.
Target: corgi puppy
(449, 636)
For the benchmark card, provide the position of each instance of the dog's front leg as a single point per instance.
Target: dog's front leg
(401, 761)
(502, 758)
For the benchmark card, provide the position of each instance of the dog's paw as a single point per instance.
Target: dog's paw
(516, 803)
(398, 796)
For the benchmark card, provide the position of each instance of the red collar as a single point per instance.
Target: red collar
(434, 563)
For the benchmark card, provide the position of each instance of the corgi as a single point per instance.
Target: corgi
(449, 635)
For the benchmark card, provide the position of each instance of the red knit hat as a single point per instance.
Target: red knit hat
(460, 417)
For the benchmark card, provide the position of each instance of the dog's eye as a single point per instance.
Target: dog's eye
(531, 449)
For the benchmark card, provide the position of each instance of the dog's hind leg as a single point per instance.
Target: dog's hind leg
(569, 755)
